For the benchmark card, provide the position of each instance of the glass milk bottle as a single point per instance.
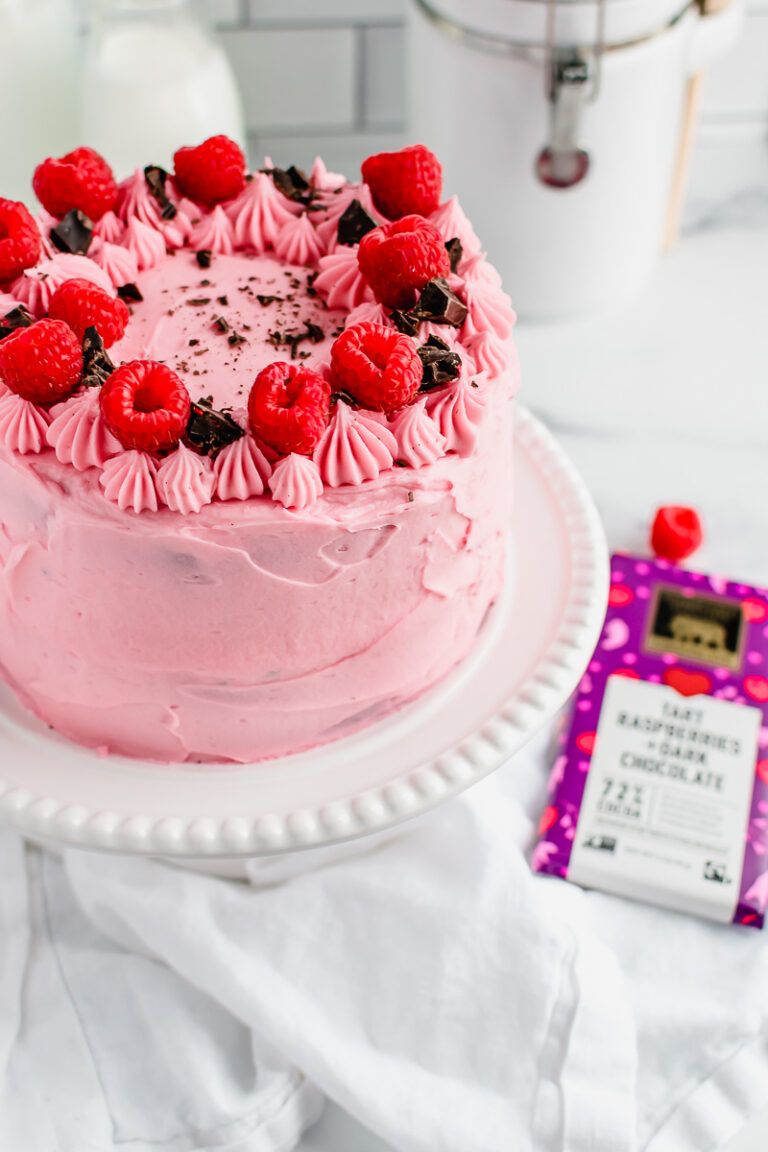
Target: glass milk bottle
(154, 79)
(38, 89)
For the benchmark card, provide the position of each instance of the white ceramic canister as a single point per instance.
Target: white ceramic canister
(558, 123)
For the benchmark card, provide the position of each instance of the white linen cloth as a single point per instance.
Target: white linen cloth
(430, 984)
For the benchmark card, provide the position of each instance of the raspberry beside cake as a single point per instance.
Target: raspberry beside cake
(255, 450)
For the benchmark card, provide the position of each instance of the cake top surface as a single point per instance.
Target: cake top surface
(219, 334)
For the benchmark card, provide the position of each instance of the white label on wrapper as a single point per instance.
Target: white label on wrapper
(667, 798)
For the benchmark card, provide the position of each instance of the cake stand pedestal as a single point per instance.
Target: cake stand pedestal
(532, 651)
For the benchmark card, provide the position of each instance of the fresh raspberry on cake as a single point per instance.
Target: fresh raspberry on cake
(676, 532)
(405, 182)
(288, 407)
(210, 173)
(398, 259)
(82, 305)
(146, 406)
(20, 241)
(377, 366)
(81, 179)
(42, 363)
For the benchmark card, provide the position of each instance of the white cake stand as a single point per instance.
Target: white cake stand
(534, 647)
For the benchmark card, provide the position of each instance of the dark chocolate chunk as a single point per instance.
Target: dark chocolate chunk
(156, 178)
(405, 322)
(235, 338)
(455, 252)
(440, 304)
(73, 233)
(354, 223)
(130, 293)
(221, 324)
(97, 366)
(223, 300)
(314, 332)
(203, 257)
(17, 318)
(210, 430)
(440, 364)
(293, 183)
(347, 397)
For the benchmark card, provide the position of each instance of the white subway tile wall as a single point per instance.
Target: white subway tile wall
(329, 76)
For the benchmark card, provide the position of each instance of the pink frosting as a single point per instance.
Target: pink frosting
(477, 269)
(490, 310)
(450, 221)
(490, 354)
(45, 221)
(324, 180)
(354, 448)
(35, 287)
(7, 303)
(118, 262)
(297, 242)
(419, 440)
(22, 424)
(129, 480)
(457, 411)
(185, 481)
(78, 433)
(333, 205)
(242, 470)
(213, 232)
(146, 244)
(340, 280)
(259, 213)
(110, 228)
(296, 482)
(137, 201)
(370, 311)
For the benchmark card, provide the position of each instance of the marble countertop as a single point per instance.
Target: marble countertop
(663, 402)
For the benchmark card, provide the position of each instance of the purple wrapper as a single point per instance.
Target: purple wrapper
(698, 634)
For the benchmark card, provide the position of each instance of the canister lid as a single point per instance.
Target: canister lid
(575, 21)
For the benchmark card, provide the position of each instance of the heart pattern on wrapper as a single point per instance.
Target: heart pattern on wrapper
(686, 682)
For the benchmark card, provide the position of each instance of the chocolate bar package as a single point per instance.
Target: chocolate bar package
(659, 791)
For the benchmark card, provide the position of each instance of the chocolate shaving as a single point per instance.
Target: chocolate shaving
(17, 318)
(235, 338)
(199, 301)
(265, 301)
(455, 252)
(440, 304)
(440, 364)
(347, 397)
(223, 300)
(293, 184)
(314, 333)
(203, 257)
(156, 177)
(97, 366)
(209, 430)
(354, 223)
(405, 322)
(221, 324)
(130, 293)
(73, 233)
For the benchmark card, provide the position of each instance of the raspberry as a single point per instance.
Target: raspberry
(82, 305)
(42, 363)
(211, 172)
(288, 407)
(146, 406)
(20, 242)
(377, 366)
(676, 532)
(398, 259)
(404, 182)
(81, 179)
